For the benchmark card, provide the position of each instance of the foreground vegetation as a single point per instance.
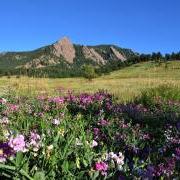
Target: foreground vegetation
(90, 136)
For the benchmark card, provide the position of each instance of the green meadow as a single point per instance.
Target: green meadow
(126, 83)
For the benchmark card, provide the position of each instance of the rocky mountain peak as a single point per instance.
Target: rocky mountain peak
(65, 48)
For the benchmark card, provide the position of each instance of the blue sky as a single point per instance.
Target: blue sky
(143, 25)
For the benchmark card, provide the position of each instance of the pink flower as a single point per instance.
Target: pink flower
(96, 131)
(58, 100)
(103, 122)
(146, 136)
(34, 141)
(101, 166)
(17, 143)
(13, 107)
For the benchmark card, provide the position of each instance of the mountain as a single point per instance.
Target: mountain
(63, 58)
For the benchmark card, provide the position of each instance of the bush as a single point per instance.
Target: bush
(89, 72)
(164, 92)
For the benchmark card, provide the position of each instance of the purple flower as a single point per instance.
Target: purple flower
(96, 131)
(178, 153)
(5, 152)
(57, 100)
(17, 143)
(34, 141)
(178, 125)
(103, 122)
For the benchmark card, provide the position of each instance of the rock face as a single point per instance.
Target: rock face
(90, 53)
(40, 62)
(118, 54)
(64, 48)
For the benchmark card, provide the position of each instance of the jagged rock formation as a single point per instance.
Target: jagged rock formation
(65, 48)
(118, 54)
(62, 57)
(90, 53)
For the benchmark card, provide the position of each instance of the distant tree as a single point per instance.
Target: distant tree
(173, 56)
(157, 57)
(167, 57)
(89, 72)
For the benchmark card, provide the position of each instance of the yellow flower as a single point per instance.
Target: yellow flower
(49, 150)
(61, 131)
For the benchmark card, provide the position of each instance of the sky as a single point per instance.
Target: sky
(142, 25)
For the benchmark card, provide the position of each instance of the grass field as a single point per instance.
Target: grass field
(126, 83)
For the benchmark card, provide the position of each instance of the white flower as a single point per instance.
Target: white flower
(3, 101)
(78, 142)
(49, 148)
(56, 121)
(4, 120)
(94, 144)
(119, 159)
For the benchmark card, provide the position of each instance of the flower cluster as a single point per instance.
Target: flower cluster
(89, 135)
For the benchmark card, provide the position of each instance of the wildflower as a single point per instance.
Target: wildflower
(57, 100)
(145, 136)
(78, 142)
(3, 101)
(96, 131)
(18, 143)
(177, 153)
(49, 150)
(149, 173)
(4, 121)
(13, 107)
(103, 122)
(56, 121)
(102, 167)
(118, 159)
(34, 136)
(5, 152)
(34, 141)
(94, 143)
(61, 131)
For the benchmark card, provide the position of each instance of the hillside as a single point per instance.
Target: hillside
(63, 58)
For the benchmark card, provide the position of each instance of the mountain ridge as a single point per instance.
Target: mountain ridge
(63, 53)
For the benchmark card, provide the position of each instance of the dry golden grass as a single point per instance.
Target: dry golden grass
(126, 83)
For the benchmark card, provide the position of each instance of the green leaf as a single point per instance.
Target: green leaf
(19, 159)
(39, 176)
(78, 163)
(85, 163)
(95, 175)
(65, 166)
